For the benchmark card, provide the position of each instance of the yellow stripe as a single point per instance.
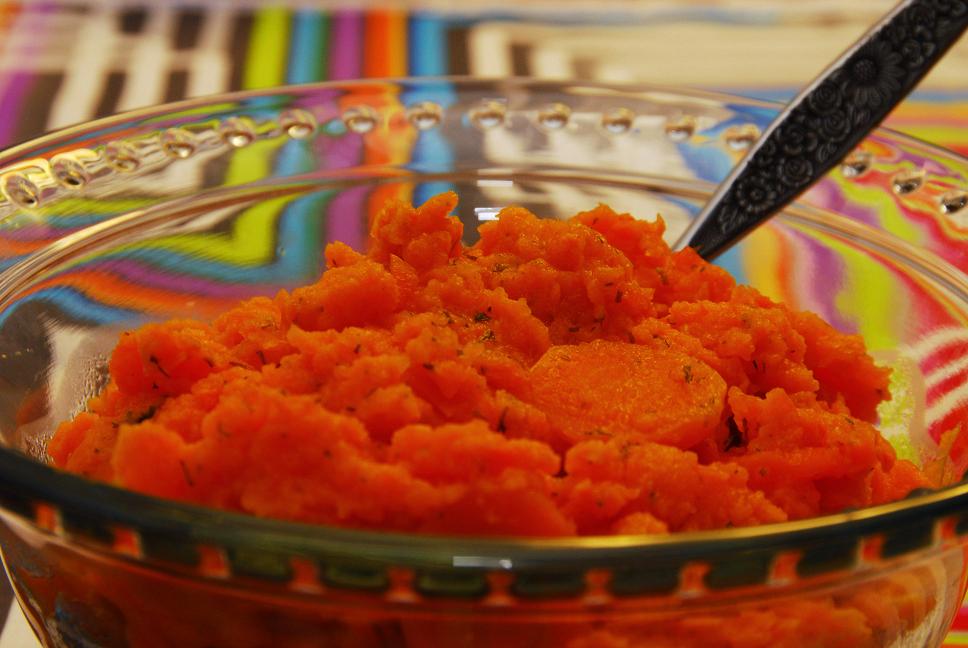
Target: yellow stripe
(761, 263)
(872, 300)
(882, 201)
(265, 62)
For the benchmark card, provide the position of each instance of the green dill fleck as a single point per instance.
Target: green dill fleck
(188, 476)
(153, 360)
(734, 438)
(687, 373)
(145, 415)
(501, 423)
(481, 317)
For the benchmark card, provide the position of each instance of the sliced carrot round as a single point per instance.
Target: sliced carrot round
(604, 388)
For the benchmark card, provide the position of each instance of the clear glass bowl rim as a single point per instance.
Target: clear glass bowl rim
(30, 481)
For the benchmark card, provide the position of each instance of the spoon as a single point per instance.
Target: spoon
(827, 120)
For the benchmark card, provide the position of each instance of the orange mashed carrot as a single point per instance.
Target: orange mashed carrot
(556, 378)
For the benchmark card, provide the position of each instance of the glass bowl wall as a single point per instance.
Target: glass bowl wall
(182, 210)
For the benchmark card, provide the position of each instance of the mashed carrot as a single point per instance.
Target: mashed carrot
(556, 378)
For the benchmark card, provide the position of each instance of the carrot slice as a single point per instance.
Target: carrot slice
(606, 388)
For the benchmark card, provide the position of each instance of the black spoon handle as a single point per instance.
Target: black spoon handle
(828, 119)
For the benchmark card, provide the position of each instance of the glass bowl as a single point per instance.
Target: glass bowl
(181, 210)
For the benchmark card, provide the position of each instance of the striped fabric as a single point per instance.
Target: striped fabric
(67, 62)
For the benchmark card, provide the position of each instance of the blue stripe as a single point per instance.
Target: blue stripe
(709, 160)
(428, 55)
(8, 262)
(300, 223)
(305, 48)
(75, 305)
(427, 45)
(732, 261)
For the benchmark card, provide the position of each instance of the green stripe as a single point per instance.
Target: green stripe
(322, 53)
(880, 200)
(868, 296)
(253, 232)
(206, 109)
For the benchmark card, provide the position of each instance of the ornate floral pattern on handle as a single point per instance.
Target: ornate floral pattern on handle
(825, 121)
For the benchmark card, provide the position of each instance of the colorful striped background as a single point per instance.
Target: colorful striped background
(63, 63)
